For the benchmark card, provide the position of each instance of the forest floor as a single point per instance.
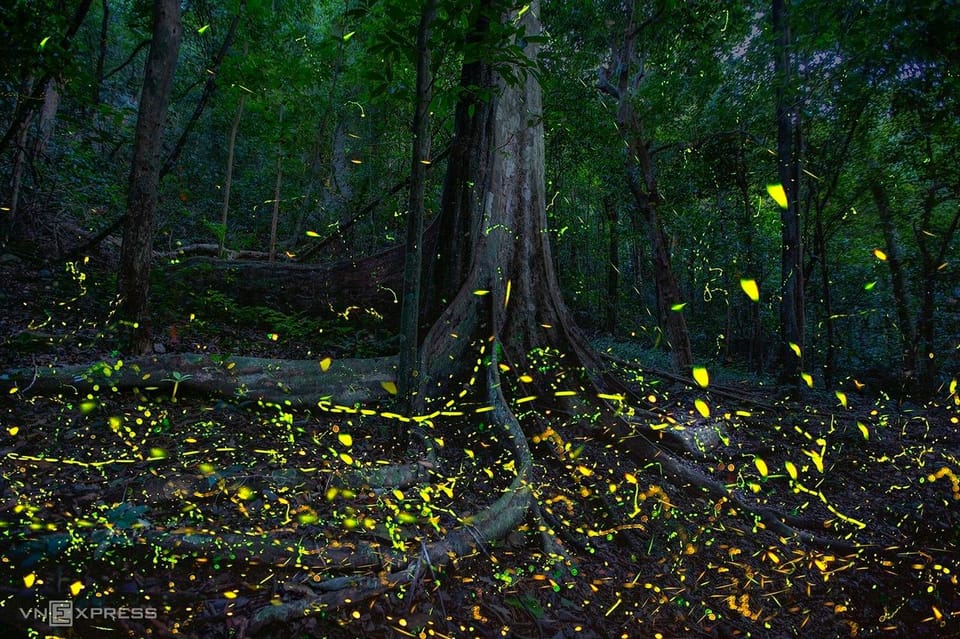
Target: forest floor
(198, 512)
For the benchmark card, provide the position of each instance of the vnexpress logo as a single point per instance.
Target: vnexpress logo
(60, 613)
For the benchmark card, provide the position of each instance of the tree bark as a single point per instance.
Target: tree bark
(409, 376)
(48, 119)
(25, 107)
(932, 263)
(366, 289)
(275, 217)
(613, 264)
(212, 71)
(642, 181)
(792, 320)
(510, 295)
(19, 161)
(466, 177)
(228, 180)
(142, 196)
(901, 299)
(101, 54)
(302, 383)
(820, 246)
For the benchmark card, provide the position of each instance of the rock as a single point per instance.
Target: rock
(700, 438)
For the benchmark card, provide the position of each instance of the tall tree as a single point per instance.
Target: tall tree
(620, 80)
(34, 94)
(420, 158)
(788, 170)
(509, 293)
(133, 283)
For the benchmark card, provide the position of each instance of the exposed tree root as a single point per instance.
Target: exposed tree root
(495, 522)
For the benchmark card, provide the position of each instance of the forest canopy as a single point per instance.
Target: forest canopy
(479, 318)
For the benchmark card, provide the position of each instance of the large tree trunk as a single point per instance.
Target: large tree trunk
(135, 255)
(466, 178)
(510, 293)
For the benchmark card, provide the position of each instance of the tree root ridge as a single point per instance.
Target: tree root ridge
(493, 523)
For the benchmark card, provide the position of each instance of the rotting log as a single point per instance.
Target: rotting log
(299, 382)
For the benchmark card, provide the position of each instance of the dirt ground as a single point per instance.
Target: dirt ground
(189, 515)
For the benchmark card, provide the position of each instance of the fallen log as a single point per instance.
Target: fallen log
(212, 250)
(365, 290)
(299, 382)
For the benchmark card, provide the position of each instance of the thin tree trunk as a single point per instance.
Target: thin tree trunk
(101, 53)
(830, 357)
(642, 180)
(19, 161)
(274, 219)
(409, 373)
(25, 107)
(613, 264)
(212, 71)
(901, 301)
(48, 119)
(791, 256)
(317, 153)
(228, 180)
(931, 270)
(136, 252)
